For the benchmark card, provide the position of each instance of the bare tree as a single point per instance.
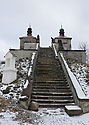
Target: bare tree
(83, 46)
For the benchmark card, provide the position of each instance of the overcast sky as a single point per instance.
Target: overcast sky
(46, 18)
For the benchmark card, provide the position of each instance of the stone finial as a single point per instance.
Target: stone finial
(61, 33)
(29, 31)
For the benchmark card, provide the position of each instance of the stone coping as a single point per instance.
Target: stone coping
(23, 49)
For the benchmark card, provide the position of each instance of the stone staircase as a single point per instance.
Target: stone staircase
(50, 88)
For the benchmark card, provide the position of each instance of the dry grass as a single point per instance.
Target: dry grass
(22, 115)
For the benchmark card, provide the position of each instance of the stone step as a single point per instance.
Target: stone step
(48, 84)
(55, 65)
(48, 66)
(73, 110)
(48, 77)
(52, 105)
(51, 76)
(51, 87)
(53, 93)
(52, 82)
(52, 65)
(51, 97)
(53, 70)
(51, 90)
(44, 79)
(50, 72)
(61, 82)
(52, 101)
(46, 61)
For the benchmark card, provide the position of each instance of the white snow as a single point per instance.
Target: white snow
(60, 117)
(76, 85)
(30, 69)
(3, 87)
(26, 84)
(22, 97)
(16, 88)
(33, 56)
(55, 50)
(32, 59)
(7, 118)
(37, 45)
(75, 107)
(47, 117)
(81, 72)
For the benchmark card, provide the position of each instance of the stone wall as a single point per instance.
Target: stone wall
(30, 45)
(28, 40)
(22, 53)
(79, 55)
(66, 43)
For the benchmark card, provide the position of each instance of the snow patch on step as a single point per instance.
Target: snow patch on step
(75, 107)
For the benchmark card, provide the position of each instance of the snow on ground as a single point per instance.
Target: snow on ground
(59, 117)
(10, 111)
(7, 118)
(81, 71)
(75, 82)
(14, 89)
(44, 117)
(12, 114)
